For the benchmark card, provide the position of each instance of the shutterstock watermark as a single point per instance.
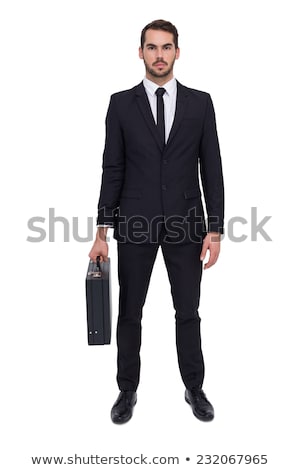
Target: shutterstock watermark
(59, 228)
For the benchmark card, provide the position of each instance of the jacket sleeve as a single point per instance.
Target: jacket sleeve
(113, 165)
(211, 171)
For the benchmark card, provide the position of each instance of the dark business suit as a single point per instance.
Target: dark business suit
(150, 193)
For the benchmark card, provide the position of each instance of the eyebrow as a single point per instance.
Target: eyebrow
(154, 45)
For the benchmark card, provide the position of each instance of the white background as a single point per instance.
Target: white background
(60, 62)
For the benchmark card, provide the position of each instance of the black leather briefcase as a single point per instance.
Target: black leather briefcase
(98, 302)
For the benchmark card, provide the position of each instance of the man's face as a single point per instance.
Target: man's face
(159, 54)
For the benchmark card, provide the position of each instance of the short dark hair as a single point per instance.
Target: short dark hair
(163, 26)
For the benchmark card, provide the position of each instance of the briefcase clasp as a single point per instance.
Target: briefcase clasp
(95, 273)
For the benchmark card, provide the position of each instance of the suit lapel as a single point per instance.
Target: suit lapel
(144, 105)
(181, 102)
(146, 111)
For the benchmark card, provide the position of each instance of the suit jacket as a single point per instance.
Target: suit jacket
(145, 182)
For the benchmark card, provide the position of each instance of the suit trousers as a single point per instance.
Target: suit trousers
(135, 263)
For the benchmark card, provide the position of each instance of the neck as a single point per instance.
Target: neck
(160, 81)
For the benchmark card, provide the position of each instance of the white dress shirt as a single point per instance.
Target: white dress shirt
(169, 98)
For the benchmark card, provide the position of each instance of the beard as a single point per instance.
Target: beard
(157, 73)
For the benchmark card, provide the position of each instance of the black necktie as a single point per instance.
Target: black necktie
(161, 113)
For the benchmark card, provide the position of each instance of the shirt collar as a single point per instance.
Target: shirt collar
(151, 87)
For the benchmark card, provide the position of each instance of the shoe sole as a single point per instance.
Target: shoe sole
(201, 418)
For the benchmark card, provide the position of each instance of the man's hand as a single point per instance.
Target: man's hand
(100, 246)
(211, 242)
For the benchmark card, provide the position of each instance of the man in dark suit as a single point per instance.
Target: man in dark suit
(158, 135)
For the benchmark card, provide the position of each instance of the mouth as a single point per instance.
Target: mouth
(160, 64)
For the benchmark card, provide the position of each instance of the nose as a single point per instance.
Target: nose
(159, 53)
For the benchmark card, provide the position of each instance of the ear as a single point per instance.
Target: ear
(177, 53)
(141, 55)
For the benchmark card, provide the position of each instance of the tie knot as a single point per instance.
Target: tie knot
(160, 92)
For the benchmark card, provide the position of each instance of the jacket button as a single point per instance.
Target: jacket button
(165, 161)
(164, 187)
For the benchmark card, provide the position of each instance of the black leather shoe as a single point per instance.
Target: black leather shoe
(122, 410)
(201, 407)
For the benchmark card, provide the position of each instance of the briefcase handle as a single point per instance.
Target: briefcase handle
(96, 273)
(99, 266)
(98, 263)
